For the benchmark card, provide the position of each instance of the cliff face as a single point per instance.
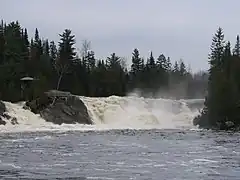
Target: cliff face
(60, 107)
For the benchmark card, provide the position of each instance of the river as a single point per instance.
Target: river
(121, 155)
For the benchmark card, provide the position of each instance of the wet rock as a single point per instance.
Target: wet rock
(2, 108)
(2, 122)
(14, 121)
(6, 116)
(2, 112)
(229, 124)
(60, 107)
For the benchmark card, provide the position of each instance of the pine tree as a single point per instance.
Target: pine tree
(227, 50)
(226, 59)
(163, 70)
(113, 61)
(169, 64)
(236, 50)
(36, 36)
(216, 80)
(46, 48)
(90, 59)
(38, 44)
(25, 37)
(151, 61)
(137, 62)
(182, 69)
(162, 62)
(66, 54)
(53, 51)
(175, 73)
(176, 68)
(217, 52)
(32, 50)
(217, 48)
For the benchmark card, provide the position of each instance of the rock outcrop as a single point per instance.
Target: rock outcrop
(60, 107)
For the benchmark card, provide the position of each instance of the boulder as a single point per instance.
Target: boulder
(2, 113)
(60, 107)
(2, 122)
(14, 121)
(2, 108)
(6, 116)
(229, 125)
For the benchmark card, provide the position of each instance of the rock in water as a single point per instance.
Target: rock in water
(2, 122)
(2, 111)
(2, 108)
(67, 108)
(229, 124)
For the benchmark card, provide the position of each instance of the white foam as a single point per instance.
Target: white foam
(133, 112)
(112, 113)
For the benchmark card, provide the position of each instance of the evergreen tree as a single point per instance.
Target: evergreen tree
(236, 50)
(66, 54)
(136, 73)
(151, 61)
(113, 61)
(137, 62)
(36, 36)
(227, 50)
(169, 64)
(215, 76)
(53, 51)
(38, 44)
(182, 69)
(176, 67)
(217, 48)
(46, 48)
(25, 38)
(163, 70)
(90, 60)
(162, 62)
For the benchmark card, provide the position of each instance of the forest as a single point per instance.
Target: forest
(58, 65)
(222, 103)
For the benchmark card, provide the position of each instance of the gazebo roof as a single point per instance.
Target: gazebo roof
(27, 79)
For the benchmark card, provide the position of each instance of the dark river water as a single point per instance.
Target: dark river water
(121, 154)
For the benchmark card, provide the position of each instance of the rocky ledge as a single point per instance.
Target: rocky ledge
(60, 107)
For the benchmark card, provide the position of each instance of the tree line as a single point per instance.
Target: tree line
(222, 103)
(59, 66)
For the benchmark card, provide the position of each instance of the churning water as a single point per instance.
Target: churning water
(116, 113)
(132, 138)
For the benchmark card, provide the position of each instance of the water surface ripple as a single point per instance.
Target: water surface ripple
(121, 154)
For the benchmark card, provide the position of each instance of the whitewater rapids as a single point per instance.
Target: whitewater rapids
(115, 113)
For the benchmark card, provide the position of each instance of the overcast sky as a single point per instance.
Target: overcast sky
(176, 28)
